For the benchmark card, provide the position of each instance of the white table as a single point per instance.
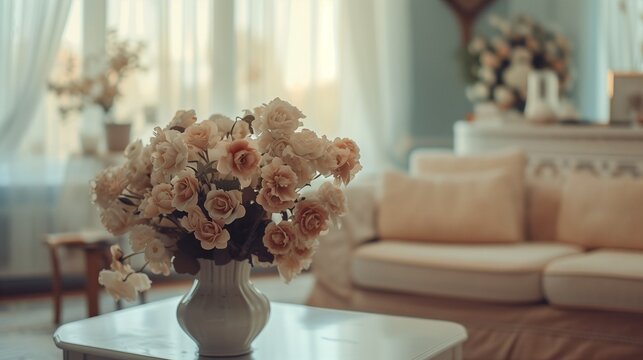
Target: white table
(293, 332)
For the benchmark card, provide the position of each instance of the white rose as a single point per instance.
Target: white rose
(280, 116)
(139, 169)
(170, 156)
(307, 145)
(140, 236)
(182, 119)
(108, 185)
(333, 199)
(224, 123)
(123, 286)
(158, 256)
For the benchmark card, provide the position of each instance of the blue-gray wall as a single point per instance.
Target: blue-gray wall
(438, 81)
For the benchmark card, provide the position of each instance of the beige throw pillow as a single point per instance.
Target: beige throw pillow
(511, 161)
(463, 208)
(601, 212)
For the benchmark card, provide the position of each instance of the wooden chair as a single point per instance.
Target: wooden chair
(95, 246)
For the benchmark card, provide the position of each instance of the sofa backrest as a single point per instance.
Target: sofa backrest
(544, 177)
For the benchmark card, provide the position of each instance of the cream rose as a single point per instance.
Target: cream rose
(158, 257)
(185, 190)
(303, 168)
(170, 156)
(311, 218)
(238, 158)
(183, 119)
(212, 235)
(280, 179)
(116, 218)
(139, 168)
(108, 185)
(201, 136)
(224, 123)
(279, 238)
(224, 205)
(333, 198)
(158, 201)
(279, 117)
(273, 145)
(271, 202)
(193, 219)
(306, 144)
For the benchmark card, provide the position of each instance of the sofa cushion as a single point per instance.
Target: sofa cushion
(506, 273)
(601, 279)
(543, 207)
(460, 208)
(601, 212)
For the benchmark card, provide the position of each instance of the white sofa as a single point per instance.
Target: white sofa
(539, 298)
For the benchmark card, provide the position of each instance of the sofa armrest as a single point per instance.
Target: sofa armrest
(332, 261)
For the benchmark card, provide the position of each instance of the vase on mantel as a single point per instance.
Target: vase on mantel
(223, 312)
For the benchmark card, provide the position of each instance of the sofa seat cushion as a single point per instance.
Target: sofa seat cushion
(601, 279)
(493, 272)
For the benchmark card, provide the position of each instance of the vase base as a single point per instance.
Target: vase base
(224, 355)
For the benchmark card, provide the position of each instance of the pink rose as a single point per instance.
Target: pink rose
(271, 202)
(193, 219)
(239, 159)
(224, 205)
(347, 158)
(280, 179)
(186, 190)
(279, 238)
(311, 218)
(212, 235)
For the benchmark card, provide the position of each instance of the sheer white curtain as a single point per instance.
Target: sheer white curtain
(344, 63)
(30, 32)
(375, 71)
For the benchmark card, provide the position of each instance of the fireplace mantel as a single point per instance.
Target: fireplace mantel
(553, 149)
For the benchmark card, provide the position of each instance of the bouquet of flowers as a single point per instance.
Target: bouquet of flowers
(223, 190)
(500, 66)
(102, 89)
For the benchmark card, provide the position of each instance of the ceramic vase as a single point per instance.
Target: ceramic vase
(223, 312)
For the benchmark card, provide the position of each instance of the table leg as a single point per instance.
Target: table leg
(93, 261)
